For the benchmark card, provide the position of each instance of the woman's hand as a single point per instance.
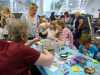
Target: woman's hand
(45, 59)
(30, 42)
(36, 39)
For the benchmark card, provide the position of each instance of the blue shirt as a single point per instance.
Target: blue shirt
(91, 51)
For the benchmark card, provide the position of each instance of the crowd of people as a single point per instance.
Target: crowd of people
(16, 54)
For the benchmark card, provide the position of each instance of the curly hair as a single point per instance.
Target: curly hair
(17, 30)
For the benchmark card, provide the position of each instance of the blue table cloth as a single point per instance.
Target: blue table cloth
(46, 71)
(65, 69)
(68, 71)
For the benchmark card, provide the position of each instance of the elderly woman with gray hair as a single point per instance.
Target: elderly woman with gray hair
(15, 56)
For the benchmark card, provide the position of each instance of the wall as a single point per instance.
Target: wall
(93, 7)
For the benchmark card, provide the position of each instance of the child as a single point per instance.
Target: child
(43, 27)
(87, 48)
(52, 30)
(64, 34)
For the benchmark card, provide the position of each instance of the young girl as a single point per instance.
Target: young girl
(52, 30)
(87, 47)
(64, 34)
(43, 27)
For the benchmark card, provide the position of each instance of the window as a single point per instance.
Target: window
(20, 6)
(4, 3)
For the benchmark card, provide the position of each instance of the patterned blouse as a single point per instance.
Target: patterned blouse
(67, 36)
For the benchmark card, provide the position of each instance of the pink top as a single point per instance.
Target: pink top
(67, 35)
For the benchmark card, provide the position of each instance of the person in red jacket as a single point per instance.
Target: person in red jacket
(15, 56)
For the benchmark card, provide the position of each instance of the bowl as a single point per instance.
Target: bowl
(63, 56)
(89, 70)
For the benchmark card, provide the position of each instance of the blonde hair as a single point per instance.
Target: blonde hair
(17, 30)
(60, 23)
(54, 23)
(42, 19)
(6, 10)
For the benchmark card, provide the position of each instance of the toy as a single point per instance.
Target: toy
(75, 69)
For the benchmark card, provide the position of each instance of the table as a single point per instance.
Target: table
(59, 70)
(60, 67)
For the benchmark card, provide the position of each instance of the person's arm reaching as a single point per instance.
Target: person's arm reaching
(31, 56)
(45, 59)
(31, 42)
